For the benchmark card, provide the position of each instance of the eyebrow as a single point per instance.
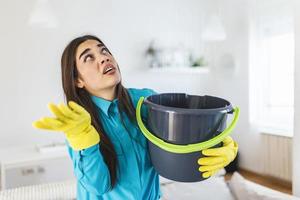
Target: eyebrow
(100, 45)
(85, 51)
(88, 49)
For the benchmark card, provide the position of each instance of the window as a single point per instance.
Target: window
(272, 67)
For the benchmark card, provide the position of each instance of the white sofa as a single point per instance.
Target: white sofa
(214, 188)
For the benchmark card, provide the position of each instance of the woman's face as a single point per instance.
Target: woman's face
(92, 61)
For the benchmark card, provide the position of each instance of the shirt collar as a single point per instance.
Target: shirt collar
(103, 104)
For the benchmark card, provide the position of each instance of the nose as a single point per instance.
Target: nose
(103, 60)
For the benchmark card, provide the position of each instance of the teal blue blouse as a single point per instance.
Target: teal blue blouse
(137, 179)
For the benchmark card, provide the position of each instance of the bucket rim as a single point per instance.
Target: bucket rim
(226, 109)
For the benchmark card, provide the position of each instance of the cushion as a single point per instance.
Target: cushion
(214, 188)
(243, 189)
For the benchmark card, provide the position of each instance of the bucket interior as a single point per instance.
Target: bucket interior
(180, 118)
(186, 101)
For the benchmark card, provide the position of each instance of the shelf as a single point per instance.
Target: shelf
(13, 155)
(204, 69)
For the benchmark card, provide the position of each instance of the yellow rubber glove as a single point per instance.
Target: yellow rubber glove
(216, 158)
(74, 121)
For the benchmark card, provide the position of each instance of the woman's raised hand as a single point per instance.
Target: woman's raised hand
(74, 121)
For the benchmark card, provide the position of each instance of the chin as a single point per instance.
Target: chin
(115, 82)
(118, 80)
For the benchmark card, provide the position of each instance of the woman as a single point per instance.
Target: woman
(109, 152)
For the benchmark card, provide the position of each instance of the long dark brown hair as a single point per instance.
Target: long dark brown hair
(82, 97)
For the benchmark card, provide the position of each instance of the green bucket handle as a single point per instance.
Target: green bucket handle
(189, 148)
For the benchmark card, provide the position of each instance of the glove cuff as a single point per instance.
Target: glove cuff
(84, 140)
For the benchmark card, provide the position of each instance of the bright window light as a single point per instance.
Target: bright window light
(272, 70)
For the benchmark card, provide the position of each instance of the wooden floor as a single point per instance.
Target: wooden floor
(273, 183)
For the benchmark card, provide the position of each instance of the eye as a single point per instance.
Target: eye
(104, 50)
(88, 57)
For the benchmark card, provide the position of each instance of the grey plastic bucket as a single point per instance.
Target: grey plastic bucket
(182, 119)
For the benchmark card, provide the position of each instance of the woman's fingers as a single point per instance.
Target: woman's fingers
(68, 112)
(56, 111)
(63, 112)
(213, 151)
(211, 160)
(66, 118)
(210, 167)
(209, 173)
(54, 123)
(228, 143)
(206, 174)
(228, 140)
(42, 125)
(77, 108)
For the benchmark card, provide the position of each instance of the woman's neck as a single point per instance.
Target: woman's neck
(107, 94)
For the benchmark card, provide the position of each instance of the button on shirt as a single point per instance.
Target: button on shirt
(137, 179)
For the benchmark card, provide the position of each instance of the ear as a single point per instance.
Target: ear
(79, 83)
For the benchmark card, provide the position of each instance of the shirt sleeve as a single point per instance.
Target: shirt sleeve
(90, 169)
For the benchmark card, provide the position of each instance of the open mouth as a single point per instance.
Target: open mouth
(109, 69)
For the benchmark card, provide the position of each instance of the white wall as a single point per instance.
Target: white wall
(30, 56)
(296, 139)
(232, 82)
(30, 59)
